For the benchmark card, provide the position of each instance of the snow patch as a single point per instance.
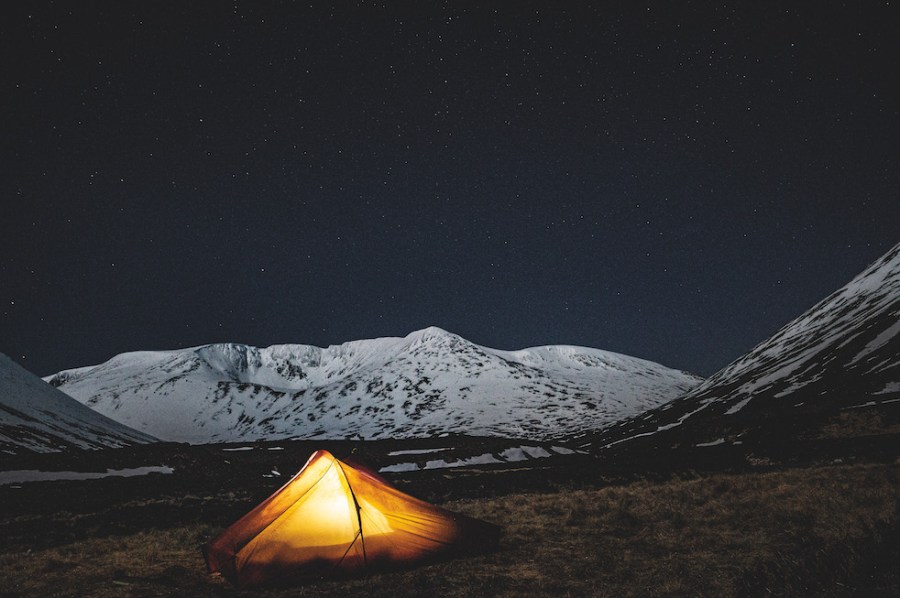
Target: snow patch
(523, 453)
(417, 451)
(879, 341)
(738, 406)
(716, 442)
(399, 467)
(889, 388)
(485, 459)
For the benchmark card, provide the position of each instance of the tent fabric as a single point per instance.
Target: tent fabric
(337, 518)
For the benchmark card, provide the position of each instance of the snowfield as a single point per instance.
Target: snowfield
(428, 383)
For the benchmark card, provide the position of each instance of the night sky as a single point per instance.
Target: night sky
(672, 180)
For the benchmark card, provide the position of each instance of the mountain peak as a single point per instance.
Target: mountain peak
(433, 331)
(424, 384)
(430, 333)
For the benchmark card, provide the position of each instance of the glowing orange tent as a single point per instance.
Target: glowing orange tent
(336, 518)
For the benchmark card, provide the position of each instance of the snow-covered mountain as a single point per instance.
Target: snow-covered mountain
(833, 363)
(37, 417)
(430, 382)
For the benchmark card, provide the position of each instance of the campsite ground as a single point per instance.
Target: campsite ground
(571, 527)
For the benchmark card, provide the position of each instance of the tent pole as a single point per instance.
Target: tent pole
(362, 537)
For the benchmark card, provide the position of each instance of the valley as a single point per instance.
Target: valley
(778, 474)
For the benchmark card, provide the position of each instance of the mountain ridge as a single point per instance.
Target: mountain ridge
(428, 382)
(35, 416)
(842, 354)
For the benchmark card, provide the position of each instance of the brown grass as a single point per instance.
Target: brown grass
(818, 531)
(857, 423)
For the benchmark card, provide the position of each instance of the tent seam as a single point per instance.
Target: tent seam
(362, 538)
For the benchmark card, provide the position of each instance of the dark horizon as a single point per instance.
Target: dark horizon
(673, 183)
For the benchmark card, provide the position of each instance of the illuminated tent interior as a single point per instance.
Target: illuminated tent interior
(338, 518)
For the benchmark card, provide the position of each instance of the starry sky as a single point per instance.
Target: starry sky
(669, 180)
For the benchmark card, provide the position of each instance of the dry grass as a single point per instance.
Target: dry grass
(856, 423)
(797, 532)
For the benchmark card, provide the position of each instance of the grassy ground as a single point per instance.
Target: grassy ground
(816, 531)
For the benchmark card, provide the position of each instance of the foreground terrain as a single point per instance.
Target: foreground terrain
(815, 529)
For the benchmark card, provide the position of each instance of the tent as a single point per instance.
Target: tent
(336, 518)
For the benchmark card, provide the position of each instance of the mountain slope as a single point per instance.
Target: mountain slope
(38, 417)
(832, 372)
(430, 382)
